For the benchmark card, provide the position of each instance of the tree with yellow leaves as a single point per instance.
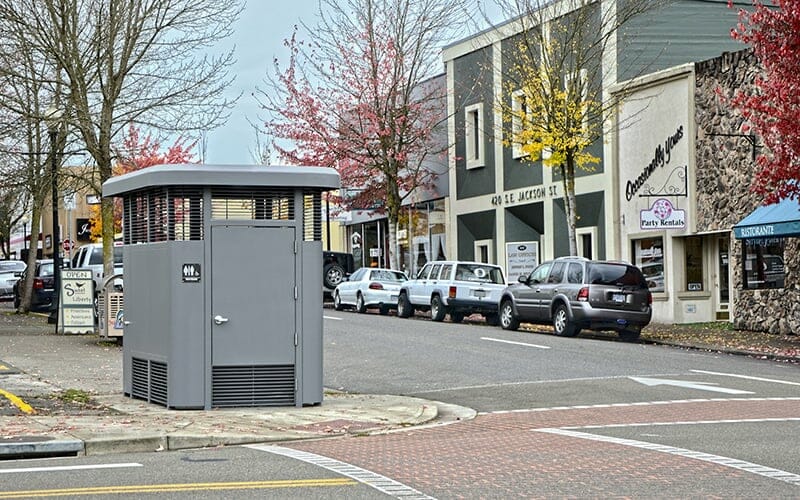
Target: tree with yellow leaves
(553, 106)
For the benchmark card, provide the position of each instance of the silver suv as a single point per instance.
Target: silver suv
(573, 293)
(456, 288)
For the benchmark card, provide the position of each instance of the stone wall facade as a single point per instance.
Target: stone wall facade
(724, 172)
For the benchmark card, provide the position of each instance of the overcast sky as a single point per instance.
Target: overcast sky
(260, 32)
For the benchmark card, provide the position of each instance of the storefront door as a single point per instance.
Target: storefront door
(723, 279)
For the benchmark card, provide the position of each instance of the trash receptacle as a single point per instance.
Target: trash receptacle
(223, 268)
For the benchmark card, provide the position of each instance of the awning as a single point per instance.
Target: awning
(779, 220)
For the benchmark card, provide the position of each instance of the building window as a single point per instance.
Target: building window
(576, 86)
(587, 241)
(483, 251)
(649, 257)
(520, 119)
(474, 135)
(693, 251)
(763, 263)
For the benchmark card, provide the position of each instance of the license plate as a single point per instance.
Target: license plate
(479, 293)
(618, 297)
(393, 297)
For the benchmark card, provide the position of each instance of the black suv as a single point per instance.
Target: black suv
(574, 293)
(335, 266)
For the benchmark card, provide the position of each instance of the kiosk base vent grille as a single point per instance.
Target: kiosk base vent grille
(255, 385)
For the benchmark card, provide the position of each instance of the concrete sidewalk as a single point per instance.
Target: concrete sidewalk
(46, 378)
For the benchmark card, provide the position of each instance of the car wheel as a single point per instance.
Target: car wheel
(16, 302)
(332, 275)
(457, 317)
(384, 310)
(507, 319)
(629, 335)
(437, 309)
(404, 307)
(561, 323)
(492, 319)
(360, 306)
(337, 301)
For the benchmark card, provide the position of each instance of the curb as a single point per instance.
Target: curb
(35, 446)
(725, 350)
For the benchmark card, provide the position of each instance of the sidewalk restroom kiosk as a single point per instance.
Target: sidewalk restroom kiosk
(222, 283)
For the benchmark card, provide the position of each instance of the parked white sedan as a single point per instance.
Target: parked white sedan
(369, 288)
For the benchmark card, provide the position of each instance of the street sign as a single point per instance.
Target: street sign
(69, 201)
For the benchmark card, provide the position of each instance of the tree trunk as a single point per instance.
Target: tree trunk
(33, 245)
(568, 176)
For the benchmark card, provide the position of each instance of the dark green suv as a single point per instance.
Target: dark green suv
(573, 293)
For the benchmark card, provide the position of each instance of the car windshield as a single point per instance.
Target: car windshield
(616, 275)
(11, 266)
(479, 273)
(387, 275)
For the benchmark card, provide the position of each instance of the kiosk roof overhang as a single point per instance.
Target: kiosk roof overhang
(189, 174)
(779, 220)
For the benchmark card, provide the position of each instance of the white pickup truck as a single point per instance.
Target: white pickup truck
(456, 288)
(91, 257)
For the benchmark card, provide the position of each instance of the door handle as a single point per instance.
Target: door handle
(220, 320)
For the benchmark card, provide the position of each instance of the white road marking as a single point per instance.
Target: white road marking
(624, 405)
(515, 343)
(377, 481)
(760, 379)
(331, 317)
(687, 384)
(761, 470)
(70, 467)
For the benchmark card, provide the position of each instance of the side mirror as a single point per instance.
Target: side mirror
(523, 279)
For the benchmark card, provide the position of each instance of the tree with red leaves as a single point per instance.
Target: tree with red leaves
(772, 109)
(358, 97)
(138, 151)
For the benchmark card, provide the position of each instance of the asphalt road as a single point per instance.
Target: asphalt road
(575, 417)
(490, 369)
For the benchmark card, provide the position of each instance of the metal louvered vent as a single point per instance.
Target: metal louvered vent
(163, 214)
(258, 385)
(149, 381)
(256, 203)
(312, 217)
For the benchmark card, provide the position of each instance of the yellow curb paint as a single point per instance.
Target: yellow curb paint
(16, 401)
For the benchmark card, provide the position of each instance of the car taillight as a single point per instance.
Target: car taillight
(583, 294)
(38, 284)
(375, 286)
(649, 298)
(452, 292)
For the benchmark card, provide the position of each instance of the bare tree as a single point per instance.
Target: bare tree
(354, 96)
(126, 62)
(26, 88)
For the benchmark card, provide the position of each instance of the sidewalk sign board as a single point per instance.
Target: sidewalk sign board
(77, 301)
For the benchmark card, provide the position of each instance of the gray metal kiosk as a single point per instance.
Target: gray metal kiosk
(223, 272)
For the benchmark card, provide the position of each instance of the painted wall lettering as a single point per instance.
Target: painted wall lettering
(524, 195)
(661, 157)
